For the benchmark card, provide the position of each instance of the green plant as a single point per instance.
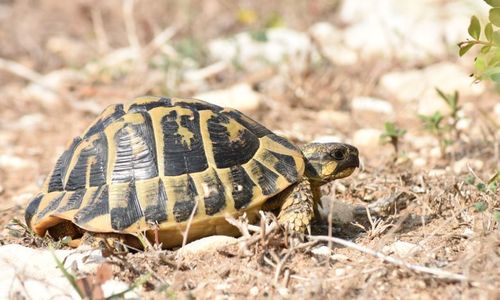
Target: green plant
(486, 188)
(452, 102)
(444, 127)
(433, 124)
(70, 277)
(392, 134)
(487, 61)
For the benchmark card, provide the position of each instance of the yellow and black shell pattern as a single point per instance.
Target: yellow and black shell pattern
(157, 162)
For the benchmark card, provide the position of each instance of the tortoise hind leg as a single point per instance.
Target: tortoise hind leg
(297, 209)
(114, 242)
(66, 228)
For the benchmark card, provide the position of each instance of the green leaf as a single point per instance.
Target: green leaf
(485, 49)
(442, 95)
(495, 16)
(464, 49)
(493, 74)
(481, 187)
(475, 27)
(480, 206)
(259, 36)
(497, 216)
(480, 63)
(496, 38)
(492, 187)
(488, 31)
(470, 179)
(494, 3)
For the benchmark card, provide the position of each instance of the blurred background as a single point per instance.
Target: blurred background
(359, 71)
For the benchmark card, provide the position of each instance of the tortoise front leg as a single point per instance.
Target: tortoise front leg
(297, 209)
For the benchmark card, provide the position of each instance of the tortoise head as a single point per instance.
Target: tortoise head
(329, 161)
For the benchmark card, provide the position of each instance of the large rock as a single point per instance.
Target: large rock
(207, 244)
(46, 90)
(420, 86)
(33, 273)
(331, 42)
(276, 46)
(240, 96)
(367, 138)
(13, 162)
(370, 104)
(409, 30)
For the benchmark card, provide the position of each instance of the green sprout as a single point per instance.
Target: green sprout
(444, 127)
(487, 61)
(392, 134)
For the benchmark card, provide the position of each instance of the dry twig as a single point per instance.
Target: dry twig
(438, 273)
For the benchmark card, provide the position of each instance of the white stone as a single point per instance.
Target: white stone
(207, 244)
(420, 141)
(367, 138)
(437, 173)
(460, 166)
(340, 272)
(119, 59)
(322, 251)
(85, 261)
(416, 31)
(420, 86)
(435, 152)
(468, 232)
(114, 287)
(72, 51)
(9, 161)
(46, 91)
(372, 104)
(33, 273)
(284, 292)
(240, 96)
(327, 139)
(339, 257)
(254, 291)
(496, 110)
(333, 117)
(330, 40)
(281, 44)
(402, 29)
(419, 162)
(29, 121)
(402, 249)
(464, 124)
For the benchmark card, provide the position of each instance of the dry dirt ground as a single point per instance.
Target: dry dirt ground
(452, 223)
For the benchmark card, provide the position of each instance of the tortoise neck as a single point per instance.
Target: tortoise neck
(316, 191)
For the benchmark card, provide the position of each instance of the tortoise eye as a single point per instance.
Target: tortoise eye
(338, 154)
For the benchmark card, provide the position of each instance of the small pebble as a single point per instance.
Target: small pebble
(254, 291)
(322, 250)
(437, 172)
(402, 248)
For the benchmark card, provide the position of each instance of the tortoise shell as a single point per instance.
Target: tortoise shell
(154, 163)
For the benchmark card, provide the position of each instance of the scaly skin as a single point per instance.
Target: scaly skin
(297, 210)
(325, 163)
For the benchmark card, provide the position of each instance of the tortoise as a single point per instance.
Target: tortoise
(158, 164)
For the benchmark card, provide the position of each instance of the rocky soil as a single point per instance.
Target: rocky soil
(308, 70)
